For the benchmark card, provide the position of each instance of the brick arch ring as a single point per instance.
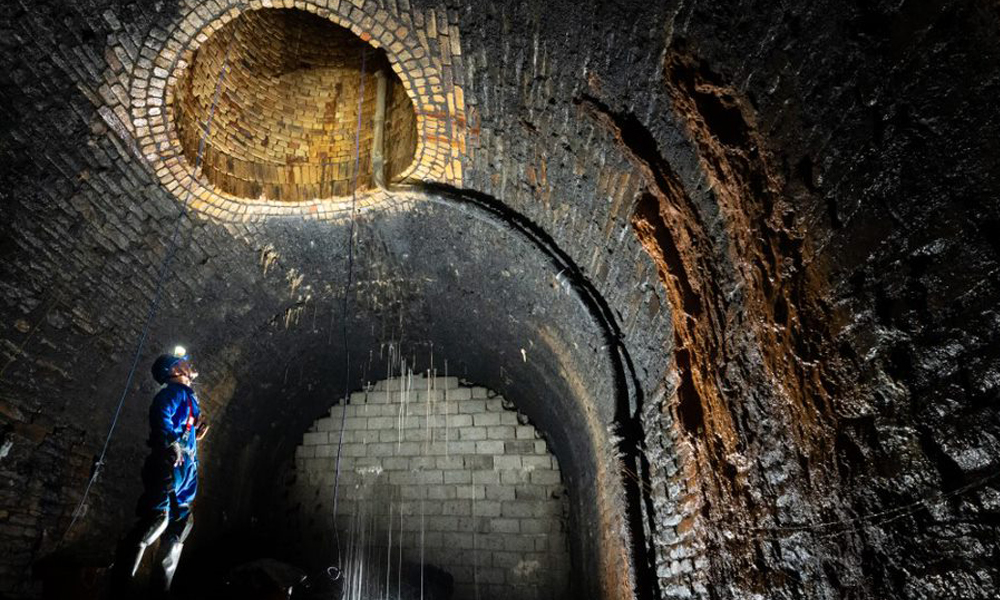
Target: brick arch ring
(166, 54)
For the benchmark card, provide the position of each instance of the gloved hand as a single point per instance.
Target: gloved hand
(202, 429)
(177, 454)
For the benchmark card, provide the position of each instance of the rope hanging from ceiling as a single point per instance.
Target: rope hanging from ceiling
(162, 275)
(346, 305)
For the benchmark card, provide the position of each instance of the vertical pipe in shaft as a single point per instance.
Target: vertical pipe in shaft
(378, 138)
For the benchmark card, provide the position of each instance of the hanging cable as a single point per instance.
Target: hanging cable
(344, 307)
(154, 304)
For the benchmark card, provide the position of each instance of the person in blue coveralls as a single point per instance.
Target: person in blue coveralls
(169, 475)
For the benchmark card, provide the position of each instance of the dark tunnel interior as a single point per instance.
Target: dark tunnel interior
(294, 373)
(531, 300)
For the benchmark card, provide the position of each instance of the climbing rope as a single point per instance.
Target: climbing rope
(55, 297)
(154, 304)
(344, 307)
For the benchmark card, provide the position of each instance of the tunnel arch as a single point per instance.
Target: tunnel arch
(579, 380)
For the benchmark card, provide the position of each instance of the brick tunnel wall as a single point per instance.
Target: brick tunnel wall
(866, 111)
(481, 476)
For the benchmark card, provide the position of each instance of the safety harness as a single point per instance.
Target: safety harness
(189, 423)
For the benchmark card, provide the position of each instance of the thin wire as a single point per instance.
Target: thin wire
(827, 529)
(56, 297)
(155, 303)
(344, 306)
(877, 518)
(388, 554)
(475, 540)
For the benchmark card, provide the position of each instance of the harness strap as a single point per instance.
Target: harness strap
(190, 418)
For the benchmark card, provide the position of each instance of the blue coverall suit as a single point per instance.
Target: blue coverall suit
(169, 489)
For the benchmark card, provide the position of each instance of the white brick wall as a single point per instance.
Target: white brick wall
(481, 486)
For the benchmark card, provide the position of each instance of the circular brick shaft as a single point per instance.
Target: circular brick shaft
(269, 152)
(286, 126)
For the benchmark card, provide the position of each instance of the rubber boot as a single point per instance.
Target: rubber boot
(170, 562)
(155, 530)
(129, 555)
(170, 550)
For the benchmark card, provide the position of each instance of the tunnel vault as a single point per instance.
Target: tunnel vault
(748, 324)
(253, 164)
(577, 381)
(787, 214)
